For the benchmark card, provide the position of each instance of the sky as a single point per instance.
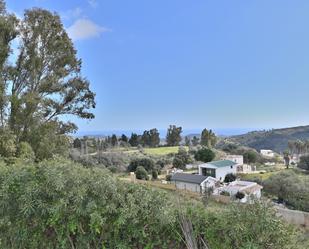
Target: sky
(216, 64)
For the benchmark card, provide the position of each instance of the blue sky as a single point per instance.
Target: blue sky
(217, 64)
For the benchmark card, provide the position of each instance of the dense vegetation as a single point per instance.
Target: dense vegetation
(58, 204)
(290, 188)
(276, 139)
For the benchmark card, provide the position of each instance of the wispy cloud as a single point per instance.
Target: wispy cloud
(72, 13)
(84, 29)
(93, 3)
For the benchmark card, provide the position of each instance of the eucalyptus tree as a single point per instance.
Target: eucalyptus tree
(208, 138)
(44, 83)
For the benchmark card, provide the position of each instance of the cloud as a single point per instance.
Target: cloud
(93, 3)
(72, 14)
(84, 29)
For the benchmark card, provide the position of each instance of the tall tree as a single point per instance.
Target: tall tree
(45, 81)
(154, 137)
(195, 141)
(134, 140)
(145, 139)
(114, 140)
(173, 136)
(208, 138)
(8, 25)
(124, 138)
(187, 141)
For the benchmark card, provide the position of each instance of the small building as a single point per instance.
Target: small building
(218, 169)
(238, 159)
(194, 183)
(251, 190)
(267, 153)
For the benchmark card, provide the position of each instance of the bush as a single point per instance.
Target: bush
(141, 173)
(204, 155)
(239, 195)
(181, 159)
(304, 162)
(289, 188)
(250, 156)
(147, 163)
(230, 178)
(154, 174)
(60, 204)
(243, 227)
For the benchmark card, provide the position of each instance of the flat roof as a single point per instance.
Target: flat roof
(189, 178)
(218, 164)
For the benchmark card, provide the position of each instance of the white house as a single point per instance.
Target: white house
(251, 190)
(267, 153)
(238, 159)
(194, 183)
(218, 169)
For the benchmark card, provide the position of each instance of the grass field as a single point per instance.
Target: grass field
(161, 151)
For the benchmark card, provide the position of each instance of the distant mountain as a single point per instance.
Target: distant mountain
(275, 139)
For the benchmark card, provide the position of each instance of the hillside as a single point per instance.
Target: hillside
(276, 139)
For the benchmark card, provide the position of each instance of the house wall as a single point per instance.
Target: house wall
(208, 184)
(188, 186)
(236, 158)
(222, 172)
(294, 217)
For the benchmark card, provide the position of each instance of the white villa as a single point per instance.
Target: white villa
(194, 183)
(267, 153)
(251, 190)
(238, 159)
(218, 169)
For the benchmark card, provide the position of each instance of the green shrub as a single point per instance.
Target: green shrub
(59, 204)
(204, 155)
(147, 163)
(141, 173)
(230, 177)
(154, 174)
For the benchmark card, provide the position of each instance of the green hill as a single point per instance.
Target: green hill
(275, 139)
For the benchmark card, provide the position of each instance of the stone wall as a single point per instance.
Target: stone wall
(294, 217)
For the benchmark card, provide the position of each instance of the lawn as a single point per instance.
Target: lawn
(161, 151)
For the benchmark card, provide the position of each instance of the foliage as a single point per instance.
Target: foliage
(274, 139)
(243, 226)
(195, 141)
(304, 162)
(42, 84)
(8, 146)
(204, 155)
(173, 136)
(230, 177)
(25, 151)
(250, 156)
(61, 205)
(181, 159)
(208, 138)
(154, 175)
(134, 140)
(147, 163)
(289, 188)
(141, 173)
